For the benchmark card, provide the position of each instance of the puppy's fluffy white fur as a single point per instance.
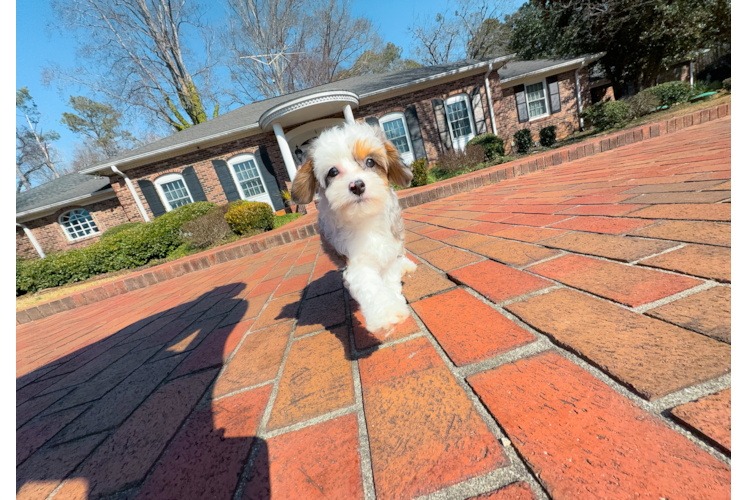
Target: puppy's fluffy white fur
(365, 229)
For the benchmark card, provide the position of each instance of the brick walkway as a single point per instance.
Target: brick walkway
(571, 339)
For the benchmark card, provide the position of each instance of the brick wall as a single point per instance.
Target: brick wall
(567, 120)
(51, 236)
(201, 160)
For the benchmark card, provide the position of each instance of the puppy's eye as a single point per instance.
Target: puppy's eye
(370, 163)
(333, 172)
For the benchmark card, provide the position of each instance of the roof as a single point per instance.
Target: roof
(69, 187)
(515, 70)
(247, 117)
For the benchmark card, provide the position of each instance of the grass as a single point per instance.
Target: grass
(183, 250)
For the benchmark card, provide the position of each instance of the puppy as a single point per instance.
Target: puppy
(351, 167)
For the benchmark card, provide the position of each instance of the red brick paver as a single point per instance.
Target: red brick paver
(547, 306)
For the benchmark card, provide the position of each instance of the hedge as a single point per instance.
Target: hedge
(125, 249)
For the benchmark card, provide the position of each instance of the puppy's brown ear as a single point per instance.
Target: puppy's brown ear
(304, 184)
(397, 172)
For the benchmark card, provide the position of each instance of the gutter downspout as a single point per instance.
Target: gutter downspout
(579, 95)
(490, 99)
(134, 194)
(30, 236)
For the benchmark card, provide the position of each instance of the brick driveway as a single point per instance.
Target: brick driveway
(565, 322)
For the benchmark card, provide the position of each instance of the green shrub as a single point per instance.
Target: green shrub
(608, 114)
(670, 93)
(207, 230)
(643, 103)
(282, 220)
(523, 140)
(727, 83)
(493, 146)
(126, 249)
(455, 159)
(249, 216)
(118, 229)
(548, 136)
(420, 172)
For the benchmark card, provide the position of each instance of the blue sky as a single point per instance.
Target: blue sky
(36, 45)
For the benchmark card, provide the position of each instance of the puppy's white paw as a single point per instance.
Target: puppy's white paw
(387, 320)
(408, 267)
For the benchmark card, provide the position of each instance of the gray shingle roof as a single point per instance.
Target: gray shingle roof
(67, 187)
(517, 69)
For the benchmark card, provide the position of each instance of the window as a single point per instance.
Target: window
(173, 191)
(78, 224)
(536, 104)
(460, 120)
(396, 129)
(246, 174)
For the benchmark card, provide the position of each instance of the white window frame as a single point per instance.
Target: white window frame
(69, 236)
(460, 142)
(390, 117)
(165, 179)
(545, 98)
(241, 159)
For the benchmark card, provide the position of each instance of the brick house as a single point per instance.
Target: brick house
(253, 152)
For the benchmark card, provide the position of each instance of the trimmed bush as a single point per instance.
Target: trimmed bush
(643, 103)
(493, 146)
(250, 216)
(548, 136)
(671, 93)
(420, 173)
(118, 229)
(455, 159)
(207, 230)
(607, 114)
(127, 249)
(523, 140)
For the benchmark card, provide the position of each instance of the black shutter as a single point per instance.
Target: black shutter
(268, 175)
(479, 117)
(226, 180)
(441, 123)
(372, 121)
(555, 97)
(152, 198)
(414, 128)
(519, 97)
(193, 184)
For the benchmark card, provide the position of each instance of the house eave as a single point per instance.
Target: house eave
(86, 199)
(570, 64)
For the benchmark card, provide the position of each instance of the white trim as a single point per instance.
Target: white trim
(545, 98)
(240, 159)
(286, 108)
(490, 99)
(579, 95)
(94, 197)
(141, 208)
(469, 106)
(166, 178)
(31, 238)
(398, 115)
(570, 63)
(65, 229)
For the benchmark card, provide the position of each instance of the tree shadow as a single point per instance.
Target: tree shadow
(136, 414)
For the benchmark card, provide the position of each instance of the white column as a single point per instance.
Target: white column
(490, 100)
(134, 193)
(30, 236)
(285, 151)
(579, 95)
(348, 113)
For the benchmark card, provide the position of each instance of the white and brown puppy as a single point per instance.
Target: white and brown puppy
(351, 167)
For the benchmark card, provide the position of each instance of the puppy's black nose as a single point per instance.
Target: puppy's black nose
(358, 187)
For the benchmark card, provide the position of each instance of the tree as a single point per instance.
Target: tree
(375, 61)
(491, 39)
(99, 123)
(131, 52)
(281, 46)
(35, 155)
(473, 31)
(640, 37)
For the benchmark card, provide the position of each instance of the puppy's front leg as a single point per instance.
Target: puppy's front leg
(381, 306)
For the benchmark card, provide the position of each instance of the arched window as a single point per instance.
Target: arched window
(396, 129)
(460, 120)
(78, 224)
(173, 191)
(248, 180)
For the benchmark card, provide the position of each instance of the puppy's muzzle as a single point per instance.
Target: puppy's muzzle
(357, 187)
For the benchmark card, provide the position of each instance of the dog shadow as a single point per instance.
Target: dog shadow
(136, 414)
